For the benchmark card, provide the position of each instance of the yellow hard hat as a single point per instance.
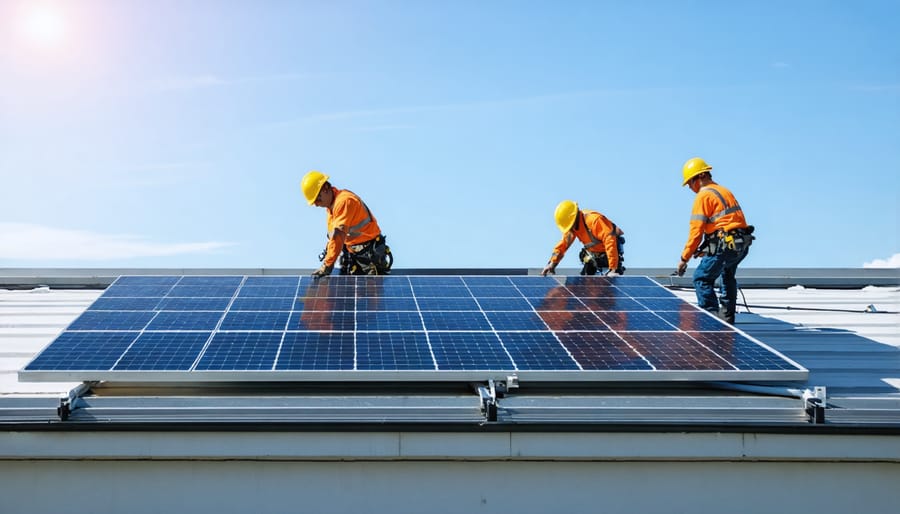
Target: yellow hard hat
(311, 185)
(565, 215)
(692, 168)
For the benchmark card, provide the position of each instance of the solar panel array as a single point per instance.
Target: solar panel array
(187, 328)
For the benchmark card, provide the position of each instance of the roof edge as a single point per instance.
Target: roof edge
(829, 278)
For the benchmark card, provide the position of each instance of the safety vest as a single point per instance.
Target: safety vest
(350, 215)
(715, 208)
(597, 233)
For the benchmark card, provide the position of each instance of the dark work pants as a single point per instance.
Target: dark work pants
(723, 264)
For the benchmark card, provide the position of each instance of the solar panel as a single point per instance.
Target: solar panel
(401, 328)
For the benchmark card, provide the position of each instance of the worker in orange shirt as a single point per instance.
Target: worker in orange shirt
(603, 241)
(720, 234)
(353, 232)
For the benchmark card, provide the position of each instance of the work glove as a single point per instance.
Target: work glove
(549, 268)
(613, 273)
(682, 267)
(323, 271)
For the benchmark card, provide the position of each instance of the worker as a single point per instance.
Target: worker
(353, 232)
(603, 240)
(719, 234)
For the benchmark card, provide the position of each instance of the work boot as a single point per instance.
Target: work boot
(724, 315)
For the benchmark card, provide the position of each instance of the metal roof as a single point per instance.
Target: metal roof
(849, 339)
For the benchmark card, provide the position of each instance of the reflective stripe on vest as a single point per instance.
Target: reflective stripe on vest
(355, 230)
(594, 240)
(725, 209)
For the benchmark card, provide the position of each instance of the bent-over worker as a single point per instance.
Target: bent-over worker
(602, 239)
(353, 232)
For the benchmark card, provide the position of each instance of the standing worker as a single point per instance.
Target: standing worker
(603, 241)
(718, 220)
(353, 232)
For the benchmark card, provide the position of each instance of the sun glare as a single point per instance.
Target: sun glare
(43, 25)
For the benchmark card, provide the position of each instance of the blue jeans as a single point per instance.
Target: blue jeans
(724, 263)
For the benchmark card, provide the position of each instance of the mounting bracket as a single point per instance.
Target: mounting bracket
(815, 401)
(491, 392)
(67, 403)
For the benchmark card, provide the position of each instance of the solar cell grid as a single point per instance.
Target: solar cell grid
(163, 351)
(557, 303)
(320, 320)
(674, 351)
(268, 291)
(386, 304)
(515, 320)
(316, 351)
(214, 281)
(389, 320)
(193, 304)
(112, 320)
(469, 351)
(612, 304)
(255, 320)
(447, 304)
(537, 351)
(325, 304)
(445, 327)
(124, 304)
(272, 281)
(494, 291)
(486, 281)
(393, 350)
(504, 304)
(461, 320)
(438, 291)
(569, 320)
(201, 291)
(83, 351)
(185, 320)
(152, 291)
(263, 304)
(241, 351)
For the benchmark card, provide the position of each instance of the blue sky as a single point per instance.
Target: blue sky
(175, 133)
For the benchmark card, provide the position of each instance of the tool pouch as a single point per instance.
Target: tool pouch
(593, 262)
(370, 258)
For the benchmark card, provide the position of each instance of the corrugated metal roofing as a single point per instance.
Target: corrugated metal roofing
(853, 353)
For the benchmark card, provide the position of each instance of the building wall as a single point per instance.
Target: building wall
(260, 487)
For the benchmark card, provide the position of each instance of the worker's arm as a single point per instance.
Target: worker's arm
(700, 213)
(611, 246)
(699, 217)
(559, 251)
(332, 252)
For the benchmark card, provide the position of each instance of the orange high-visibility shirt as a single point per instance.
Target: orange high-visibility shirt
(714, 208)
(351, 216)
(598, 234)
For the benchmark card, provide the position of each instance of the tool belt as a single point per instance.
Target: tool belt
(598, 261)
(373, 257)
(719, 241)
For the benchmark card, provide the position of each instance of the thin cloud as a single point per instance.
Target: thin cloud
(25, 241)
(780, 64)
(187, 83)
(891, 262)
(383, 128)
(416, 109)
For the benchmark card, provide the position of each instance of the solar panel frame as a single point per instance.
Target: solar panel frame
(401, 328)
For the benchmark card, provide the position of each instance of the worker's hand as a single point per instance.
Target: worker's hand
(549, 268)
(323, 271)
(682, 267)
(613, 273)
